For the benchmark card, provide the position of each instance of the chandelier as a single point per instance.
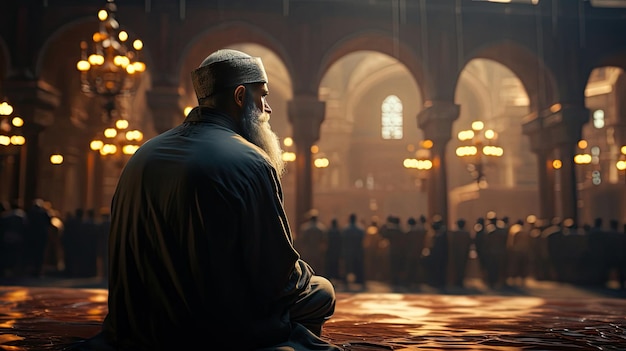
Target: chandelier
(10, 126)
(118, 137)
(108, 66)
(478, 144)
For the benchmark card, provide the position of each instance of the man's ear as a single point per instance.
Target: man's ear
(239, 94)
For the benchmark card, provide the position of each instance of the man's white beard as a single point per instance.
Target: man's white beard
(257, 130)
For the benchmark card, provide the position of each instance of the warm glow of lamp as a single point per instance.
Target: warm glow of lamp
(129, 149)
(108, 149)
(315, 149)
(103, 15)
(582, 159)
(469, 150)
(121, 124)
(557, 164)
(555, 108)
(289, 156)
(288, 141)
(17, 121)
(321, 162)
(134, 135)
(582, 144)
(5, 109)
(427, 144)
(621, 165)
(139, 66)
(5, 140)
(478, 125)
(417, 164)
(123, 36)
(465, 135)
(96, 145)
(56, 159)
(83, 65)
(490, 150)
(110, 132)
(18, 140)
(490, 134)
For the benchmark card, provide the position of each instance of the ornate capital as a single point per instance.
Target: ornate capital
(436, 120)
(306, 114)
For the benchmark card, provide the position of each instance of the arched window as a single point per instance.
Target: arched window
(391, 118)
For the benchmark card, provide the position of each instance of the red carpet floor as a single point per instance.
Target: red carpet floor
(46, 318)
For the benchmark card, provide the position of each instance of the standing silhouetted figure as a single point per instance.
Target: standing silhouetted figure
(36, 237)
(459, 242)
(311, 242)
(14, 226)
(597, 248)
(102, 230)
(71, 241)
(332, 261)
(518, 250)
(496, 236)
(416, 237)
(438, 258)
(353, 254)
(397, 250)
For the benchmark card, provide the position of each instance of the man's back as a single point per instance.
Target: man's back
(188, 256)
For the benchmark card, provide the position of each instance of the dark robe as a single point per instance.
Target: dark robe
(201, 252)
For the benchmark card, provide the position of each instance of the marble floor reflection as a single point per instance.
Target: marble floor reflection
(50, 318)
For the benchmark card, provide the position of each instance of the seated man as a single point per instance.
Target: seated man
(201, 252)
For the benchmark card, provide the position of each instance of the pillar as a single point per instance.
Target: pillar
(306, 114)
(164, 103)
(34, 101)
(565, 130)
(540, 145)
(436, 123)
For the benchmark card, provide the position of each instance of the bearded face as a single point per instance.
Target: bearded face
(257, 130)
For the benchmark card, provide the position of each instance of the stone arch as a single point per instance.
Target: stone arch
(476, 86)
(363, 82)
(538, 80)
(481, 100)
(378, 42)
(223, 35)
(354, 87)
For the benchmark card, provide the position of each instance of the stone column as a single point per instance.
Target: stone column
(436, 123)
(306, 114)
(565, 128)
(34, 101)
(164, 103)
(540, 144)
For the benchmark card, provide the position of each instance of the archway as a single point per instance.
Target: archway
(490, 92)
(365, 174)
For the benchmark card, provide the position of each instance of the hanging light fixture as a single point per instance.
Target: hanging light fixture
(478, 144)
(117, 138)
(109, 66)
(10, 126)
